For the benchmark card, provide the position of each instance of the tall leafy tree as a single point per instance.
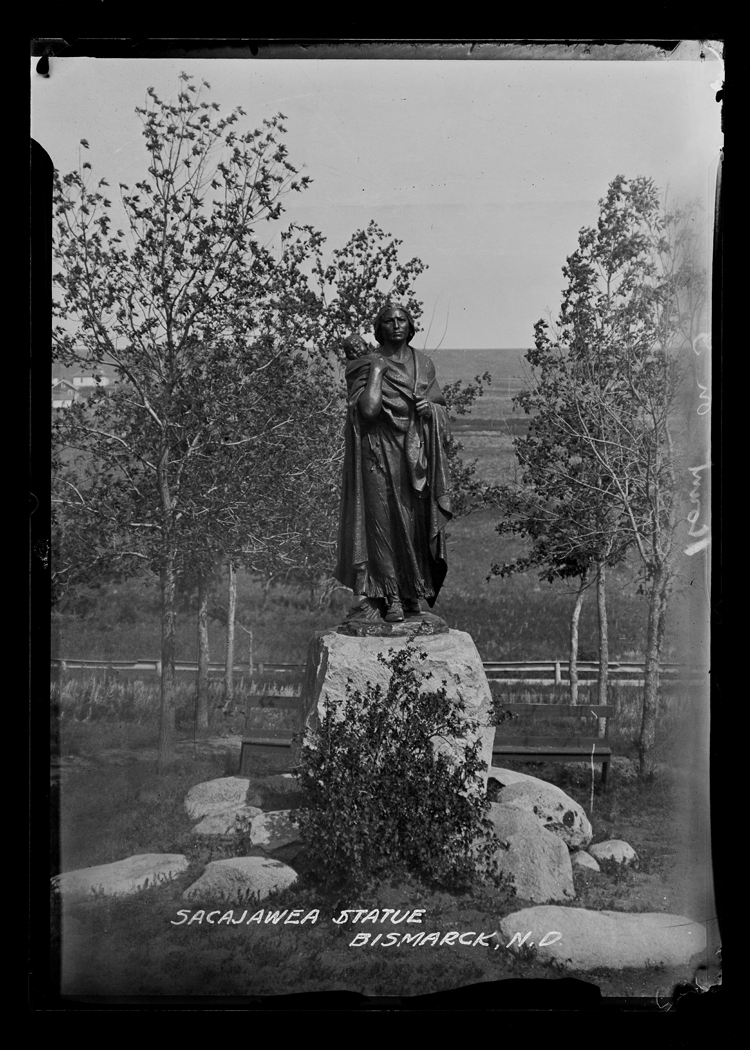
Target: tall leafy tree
(220, 442)
(201, 324)
(600, 456)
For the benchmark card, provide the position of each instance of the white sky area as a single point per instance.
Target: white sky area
(485, 170)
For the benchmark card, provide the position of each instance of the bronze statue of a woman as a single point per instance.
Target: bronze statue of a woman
(395, 499)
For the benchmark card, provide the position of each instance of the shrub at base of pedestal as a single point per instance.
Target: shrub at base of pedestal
(394, 761)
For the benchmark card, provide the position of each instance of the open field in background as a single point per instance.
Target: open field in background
(521, 618)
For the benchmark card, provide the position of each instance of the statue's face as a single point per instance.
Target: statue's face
(394, 324)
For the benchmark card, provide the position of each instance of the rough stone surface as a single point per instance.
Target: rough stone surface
(123, 877)
(614, 849)
(241, 879)
(267, 792)
(333, 659)
(582, 859)
(213, 796)
(596, 939)
(224, 822)
(557, 812)
(537, 863)
(506, 777)
(273, 830)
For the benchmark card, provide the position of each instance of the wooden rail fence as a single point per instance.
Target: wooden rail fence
(510, 672)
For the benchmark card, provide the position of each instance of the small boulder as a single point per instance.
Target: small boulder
(506, 777)
(241, 879)
(582, 859)
(213, 796)
(273, 830)
(537, 864)
(336, 662)
(281, 789)
(556, 811)
(589, 940)
(614, 849)
(123, 877)
(224, 822)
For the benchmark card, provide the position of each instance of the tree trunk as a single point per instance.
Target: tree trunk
(231, 610)
(574, 621)
(167, 729)
(655, 634)
(201, 713)
(601, 605)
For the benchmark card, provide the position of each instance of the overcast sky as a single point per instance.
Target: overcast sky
(485, 170)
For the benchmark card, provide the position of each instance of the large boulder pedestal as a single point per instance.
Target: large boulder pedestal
(334, 660)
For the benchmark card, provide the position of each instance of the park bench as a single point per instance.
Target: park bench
(272, 746)
(557, 745)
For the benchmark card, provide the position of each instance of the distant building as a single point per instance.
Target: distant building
(66, 391)
(91, 381)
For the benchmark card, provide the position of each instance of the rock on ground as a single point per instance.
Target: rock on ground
(590, 940)
(614, 849)
(506, 777)
(122, 877)
(582, 859)
(241, 879)
(273, 830)
(556, 811)
(224, 821)
(537, 863)
(333, 659)
(272, 789)
(213, 796)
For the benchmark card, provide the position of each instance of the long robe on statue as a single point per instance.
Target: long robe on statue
(395, 500)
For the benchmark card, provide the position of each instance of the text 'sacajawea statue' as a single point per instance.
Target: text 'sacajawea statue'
(395, 499)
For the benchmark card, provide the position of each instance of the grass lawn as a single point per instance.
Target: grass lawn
(132, 947)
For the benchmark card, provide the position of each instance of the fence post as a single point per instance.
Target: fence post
(558, 676)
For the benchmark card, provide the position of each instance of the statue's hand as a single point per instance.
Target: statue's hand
(424, 408)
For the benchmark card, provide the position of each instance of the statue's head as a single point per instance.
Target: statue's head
(355, 346)
(392, 305)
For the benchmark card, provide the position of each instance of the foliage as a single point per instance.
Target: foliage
(599, 459)
(380, 800)
(201, 449)
(359, 277)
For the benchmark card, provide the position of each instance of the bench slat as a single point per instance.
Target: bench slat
(562, 710)
(580, 743)
(279, 737)
(553, 745)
